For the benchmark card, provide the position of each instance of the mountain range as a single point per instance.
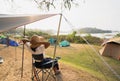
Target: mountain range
(93, 30)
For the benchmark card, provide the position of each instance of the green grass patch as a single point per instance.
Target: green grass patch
(81, 56)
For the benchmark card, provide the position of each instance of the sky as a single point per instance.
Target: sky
(102, 14)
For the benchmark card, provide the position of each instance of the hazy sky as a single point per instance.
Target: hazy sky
(103, 14)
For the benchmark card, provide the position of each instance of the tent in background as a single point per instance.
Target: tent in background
(13, 43)
(2, 36)
(52, 41)
(64, 43)
(111, 48)
(9, 42)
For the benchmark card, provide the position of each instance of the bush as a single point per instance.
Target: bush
(94, 40)
(78, 39)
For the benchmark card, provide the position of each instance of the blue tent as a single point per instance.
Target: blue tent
(64, 43)
(3, 41)
(8, 42)
(13, 43)
(52, 41)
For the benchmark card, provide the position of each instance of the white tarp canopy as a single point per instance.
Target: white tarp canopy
(11, 21)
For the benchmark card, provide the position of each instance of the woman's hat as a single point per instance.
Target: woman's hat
(37, 41)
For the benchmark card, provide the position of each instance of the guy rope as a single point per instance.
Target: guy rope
(111, 69)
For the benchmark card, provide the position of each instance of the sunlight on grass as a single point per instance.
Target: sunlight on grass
(81, 56)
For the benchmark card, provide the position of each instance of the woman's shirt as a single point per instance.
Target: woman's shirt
(38, 50)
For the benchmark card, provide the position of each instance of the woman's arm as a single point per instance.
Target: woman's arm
(46, 44)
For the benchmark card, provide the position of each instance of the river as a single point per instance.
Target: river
(103, 35)
(100, 35)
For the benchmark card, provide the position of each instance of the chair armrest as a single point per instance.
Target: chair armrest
(51, 61)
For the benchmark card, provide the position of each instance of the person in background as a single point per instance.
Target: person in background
(37, 47)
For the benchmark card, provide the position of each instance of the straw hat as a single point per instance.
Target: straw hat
(37, 41)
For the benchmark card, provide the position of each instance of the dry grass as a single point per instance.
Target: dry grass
(11, 68)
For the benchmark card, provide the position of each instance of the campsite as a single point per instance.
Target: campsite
(12, 72)
(81, 68)
(80, 58)
(77, 55)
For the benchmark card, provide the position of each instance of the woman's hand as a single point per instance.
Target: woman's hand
(24, 40)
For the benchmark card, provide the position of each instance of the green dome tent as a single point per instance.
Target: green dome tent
(64, 43)
(52, 41)
(2, 36)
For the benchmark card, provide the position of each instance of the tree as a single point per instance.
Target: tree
(117, 35)
(47, 4)
(71, 37)
(51, 3)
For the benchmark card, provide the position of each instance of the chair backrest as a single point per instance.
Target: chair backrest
(38, 56)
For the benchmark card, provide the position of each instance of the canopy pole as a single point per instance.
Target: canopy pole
(23, 54)
(15, 46)
(57, 35)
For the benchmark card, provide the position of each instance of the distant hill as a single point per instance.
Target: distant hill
(93, 30)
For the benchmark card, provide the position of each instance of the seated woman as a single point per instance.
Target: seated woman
(37, 47)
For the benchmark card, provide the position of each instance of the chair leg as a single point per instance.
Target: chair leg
(46, 75)
(49, 73)
(35, 75)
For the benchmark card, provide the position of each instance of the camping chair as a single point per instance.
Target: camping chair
(43, 73)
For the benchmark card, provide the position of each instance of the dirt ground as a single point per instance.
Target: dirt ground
(11, 68)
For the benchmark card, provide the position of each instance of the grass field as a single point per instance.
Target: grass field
(10, 69)
(82, 56)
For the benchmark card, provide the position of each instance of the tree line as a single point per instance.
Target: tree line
(72, 37)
